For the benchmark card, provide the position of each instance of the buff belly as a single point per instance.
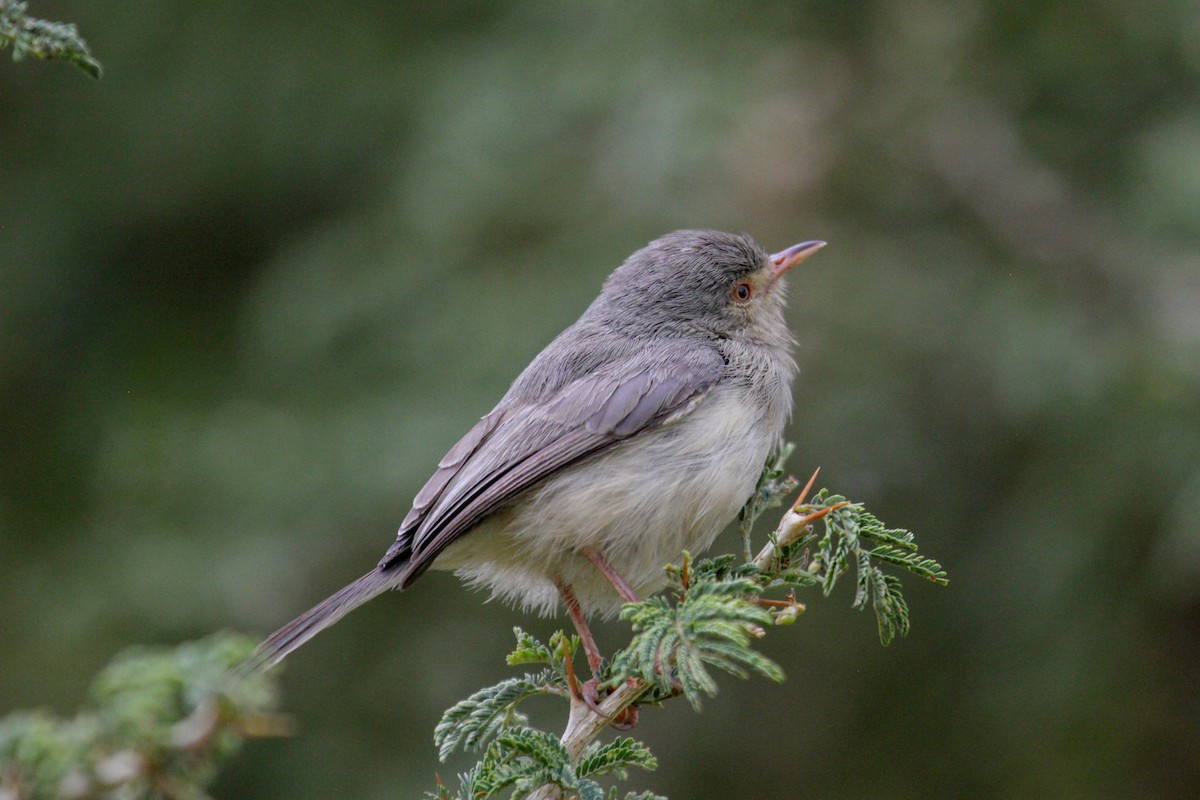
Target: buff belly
(641, 504)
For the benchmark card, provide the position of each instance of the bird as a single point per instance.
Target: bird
(639, 432)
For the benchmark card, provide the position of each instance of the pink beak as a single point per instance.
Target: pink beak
(784, 260)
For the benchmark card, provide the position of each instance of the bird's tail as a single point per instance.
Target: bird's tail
(282, 642)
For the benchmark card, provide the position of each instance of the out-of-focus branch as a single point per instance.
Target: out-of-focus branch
(42, 39)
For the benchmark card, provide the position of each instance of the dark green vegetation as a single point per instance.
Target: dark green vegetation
(159, 724)
(255, 281)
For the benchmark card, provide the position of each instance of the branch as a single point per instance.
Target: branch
(585, 724)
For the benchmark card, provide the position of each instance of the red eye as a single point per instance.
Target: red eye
(741, 292)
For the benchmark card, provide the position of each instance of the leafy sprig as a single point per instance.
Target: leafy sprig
(42, 39)
(854, 539)
(474, 722)
(520, 758)
(708, 618)
(159, 723)
(703, 623)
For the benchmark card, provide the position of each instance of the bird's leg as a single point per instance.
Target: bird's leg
(596, 557)
(589, 692)
(585, 633)
(628, 718)
(576, 613)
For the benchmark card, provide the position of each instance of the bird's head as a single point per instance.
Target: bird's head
(718, 285)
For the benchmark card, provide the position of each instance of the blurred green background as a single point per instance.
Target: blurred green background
(260, 277)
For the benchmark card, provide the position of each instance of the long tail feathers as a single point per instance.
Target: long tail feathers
(282, 642)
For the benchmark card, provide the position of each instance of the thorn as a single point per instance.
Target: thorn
(572, 683)
(816, 515)
(765, 603)
(807, 488)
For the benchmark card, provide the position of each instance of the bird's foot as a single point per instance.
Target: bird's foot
(590, 694)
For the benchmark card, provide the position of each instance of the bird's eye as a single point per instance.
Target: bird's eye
(741, 292)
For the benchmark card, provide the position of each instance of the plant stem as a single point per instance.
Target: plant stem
(585, 724)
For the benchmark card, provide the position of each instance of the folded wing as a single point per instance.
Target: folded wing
(518, 445)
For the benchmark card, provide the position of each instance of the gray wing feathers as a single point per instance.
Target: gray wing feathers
(432, 491)
(652, 399)
(583, 418)
(622, 399)
(490, 494)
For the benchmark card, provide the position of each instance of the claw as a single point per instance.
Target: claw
(589, 693)
(627, 720)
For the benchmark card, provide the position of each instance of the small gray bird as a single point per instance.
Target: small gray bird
(636, 434)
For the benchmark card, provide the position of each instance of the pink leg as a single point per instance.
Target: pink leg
(597, 558)
(585, 633)
(589, 691)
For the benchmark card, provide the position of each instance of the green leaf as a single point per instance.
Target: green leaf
(542, 747)
(708, 626)
(855, 539)
(524, 759)
(472, 722)
(529, 650)
(616, 756)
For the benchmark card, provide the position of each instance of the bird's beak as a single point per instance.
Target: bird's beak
(784, 260)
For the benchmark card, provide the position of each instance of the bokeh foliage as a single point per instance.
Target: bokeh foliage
(159, 724)
(42, 39)
(260, 277)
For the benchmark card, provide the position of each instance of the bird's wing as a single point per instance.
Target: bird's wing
(518, 445)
